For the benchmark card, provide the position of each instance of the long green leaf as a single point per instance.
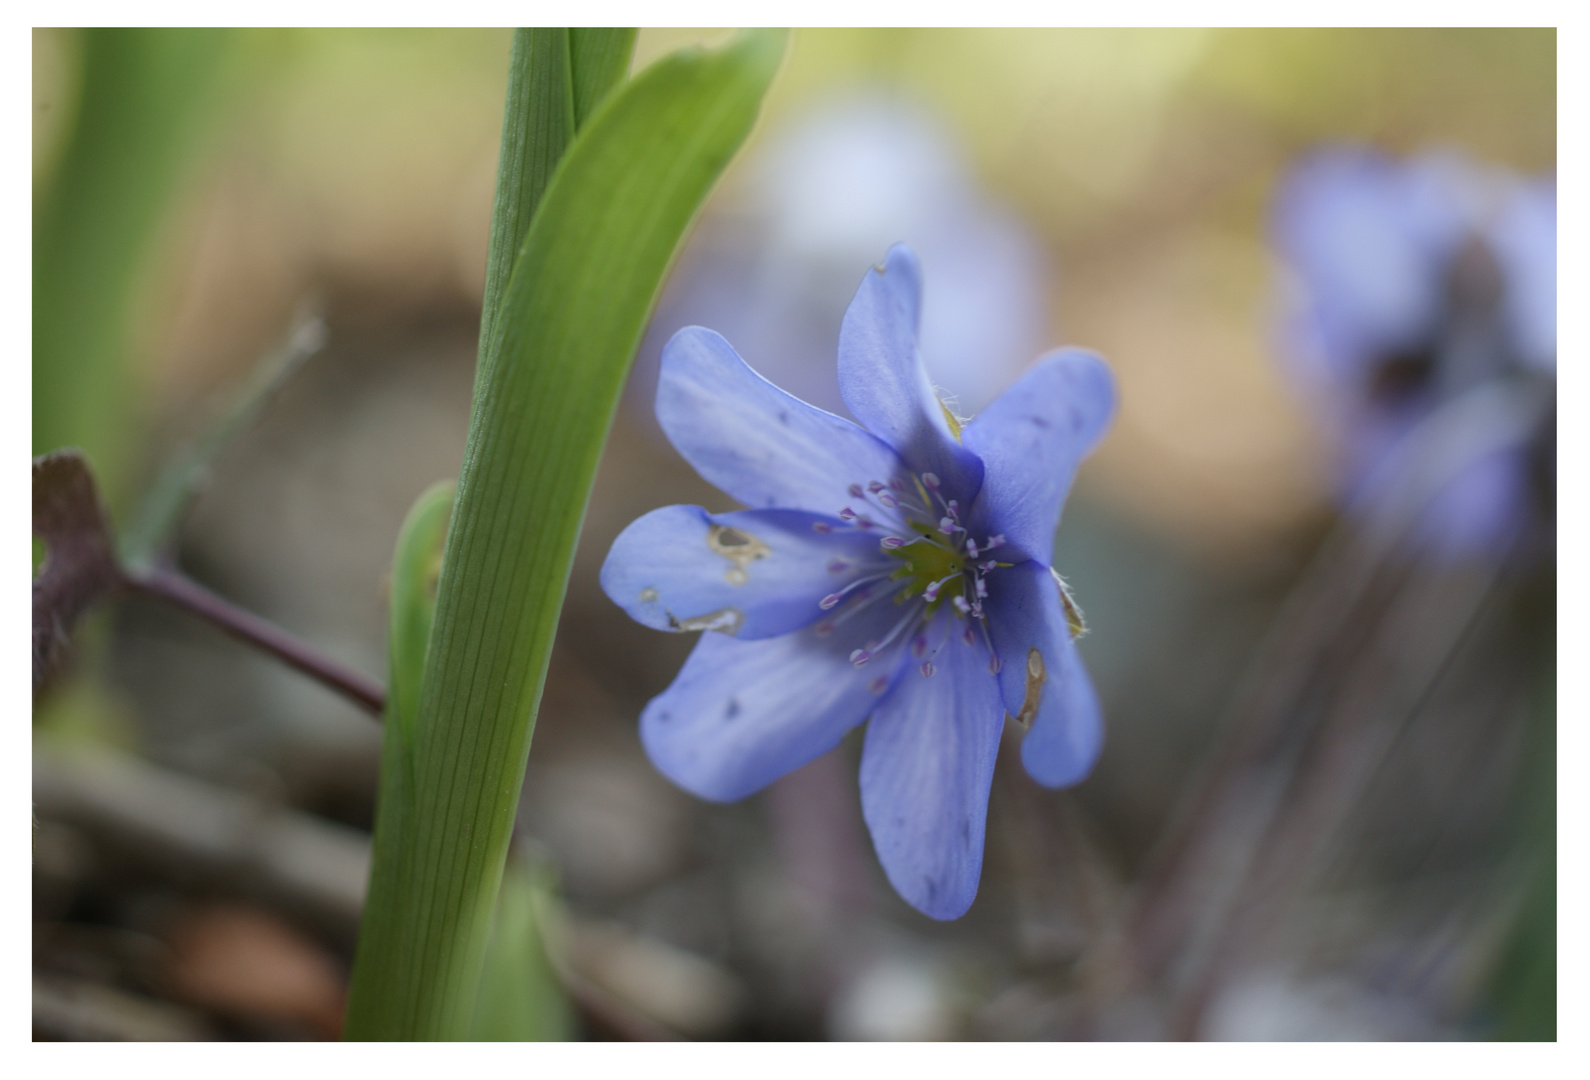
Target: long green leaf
(521, 999)
(598, 58)
(416, 566)
(557, 77)
(145, 97)
(571, 319)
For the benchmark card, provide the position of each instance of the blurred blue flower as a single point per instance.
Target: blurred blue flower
(1423, 327)
(897, 570)
(773, 265)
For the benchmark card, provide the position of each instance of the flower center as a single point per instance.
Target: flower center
(928, 564)
(931, 552)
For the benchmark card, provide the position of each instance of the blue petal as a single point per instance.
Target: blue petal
(1525, 238)
(753, 441)
(751, 574)
(1031, 439)
(926, 768)
(882, 379)
(741, 714)
(1041, 675)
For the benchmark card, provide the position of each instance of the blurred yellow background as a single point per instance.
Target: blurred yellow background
(363, 160)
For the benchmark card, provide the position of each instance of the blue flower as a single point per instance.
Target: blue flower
(898, 571)
(1426, 303)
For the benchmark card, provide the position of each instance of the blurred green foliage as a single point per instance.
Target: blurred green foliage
(143, 99)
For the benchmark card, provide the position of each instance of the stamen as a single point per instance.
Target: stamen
(997, 540)
(961, 605)
(905, 620)
(860, 657)
(888, 500)
(947, 526)
(847, 514)
(928, 669)
(987, 566)
(822, 527)
(832, 599)
(981, 585)
(931, 593)
(971, 547)
(855, 491)
(889, 543)
(874, 487)
(931, 481)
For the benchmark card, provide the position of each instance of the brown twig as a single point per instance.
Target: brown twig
(173, 587)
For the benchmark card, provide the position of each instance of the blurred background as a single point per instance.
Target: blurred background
(1324, 808)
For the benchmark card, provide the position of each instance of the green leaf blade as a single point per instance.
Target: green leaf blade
(571, 318)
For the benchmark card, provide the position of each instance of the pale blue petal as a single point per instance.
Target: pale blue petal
(1031, 439)
(1525, 238)
(755, 442)
(1041, 675)
(926, 768)
(750, 574)
(741, 714)
(882, 378)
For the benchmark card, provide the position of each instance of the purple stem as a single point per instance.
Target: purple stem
(244, 625)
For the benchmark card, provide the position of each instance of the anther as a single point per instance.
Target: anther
(981, 585)
(993, 541)
(946, 525)
(829, 602)
(931, 481)
(822, 527)
(994, 665)
(836, 566)
(860, 656)
(855, 491)
(874, 487)
(961, 605)
(885, 499)
(928, 669)
(889, 543)
(847, 514)
(971, 547)
(969, 637)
